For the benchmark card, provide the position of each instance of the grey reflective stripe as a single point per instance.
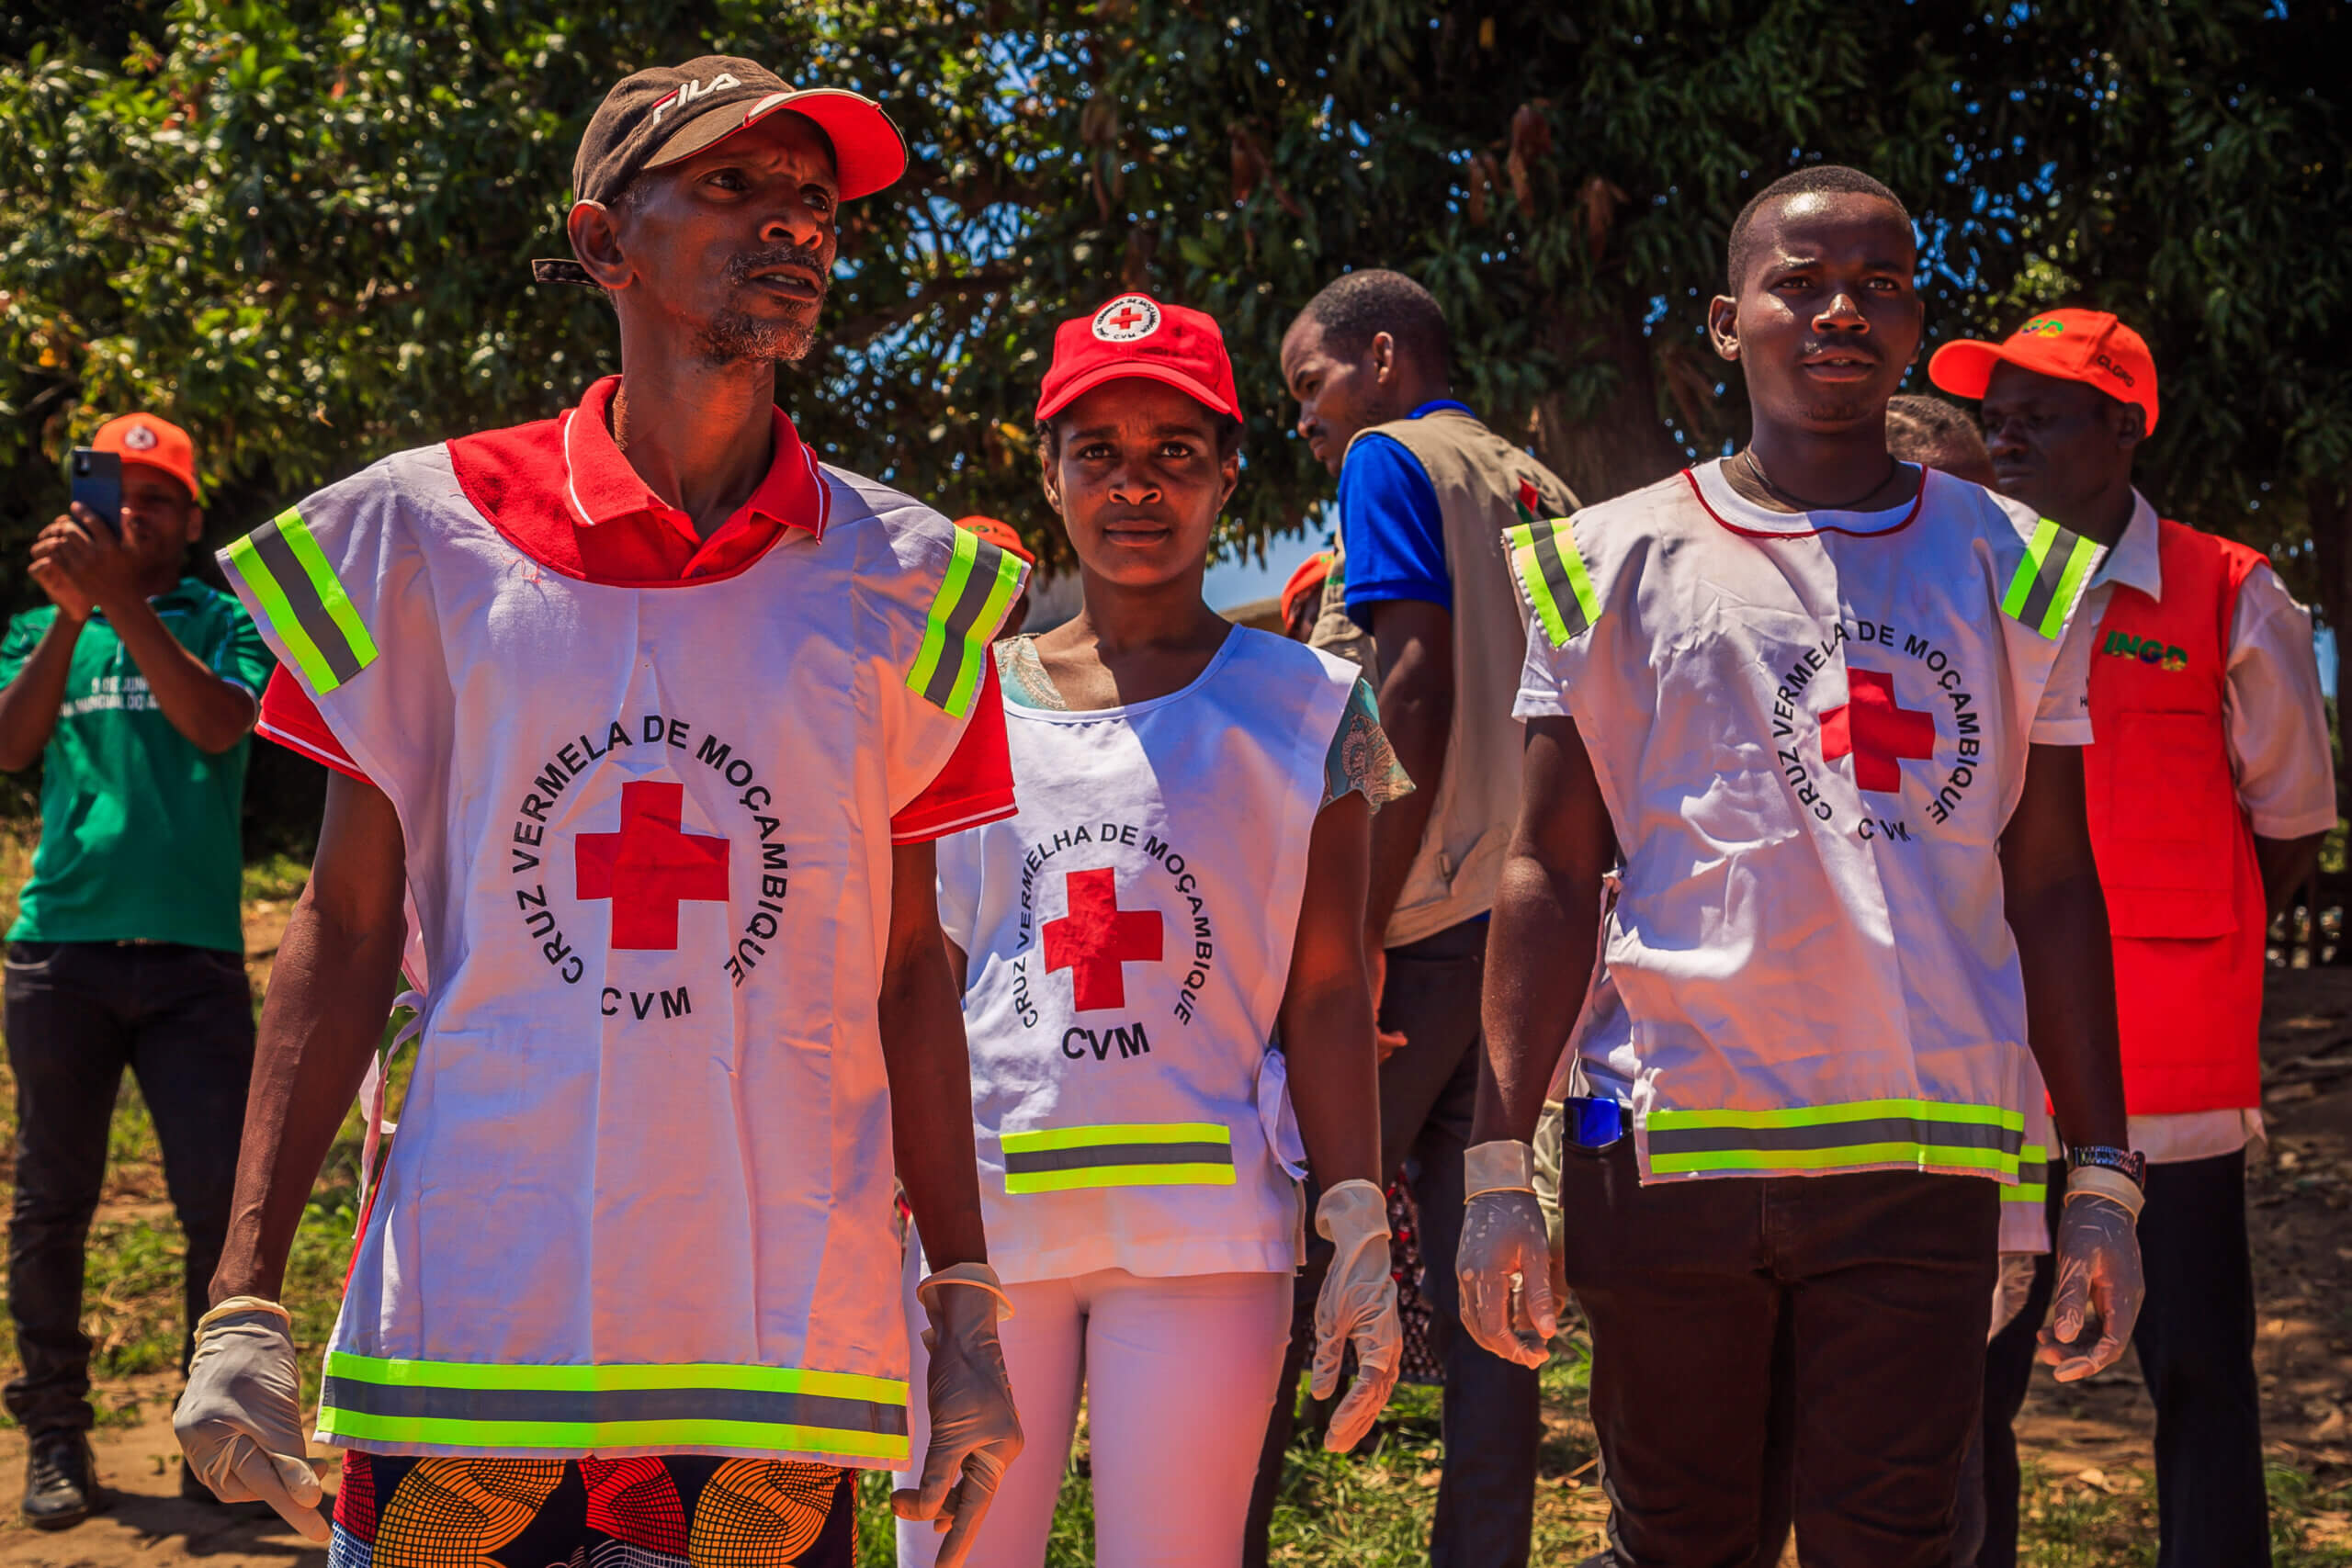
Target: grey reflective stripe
(1839, 1135)
(987, 562)
(303, 597)
(604, 1407)
(1556, 577)
(2049, 575)
(1088, 1156)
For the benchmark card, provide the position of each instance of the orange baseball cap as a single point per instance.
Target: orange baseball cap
(157, 443)
(1310, 576)
(1000, 534)
(2090, 347)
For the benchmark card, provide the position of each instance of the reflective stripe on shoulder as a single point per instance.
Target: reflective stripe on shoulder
(980, 583)
(2033, 1176)
(305, 604)
(1552, 570)
(520, 1409)
(2057, 563)
(1854, 1135)
(1170, 1154)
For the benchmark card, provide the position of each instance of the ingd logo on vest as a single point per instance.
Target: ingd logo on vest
(2170, 656)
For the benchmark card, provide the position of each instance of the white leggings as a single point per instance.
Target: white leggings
(1178, 1376)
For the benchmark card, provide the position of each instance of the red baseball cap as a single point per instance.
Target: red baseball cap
(1310, 576)
(1136, 335)
(2090, 347)
(155, 443)
(1000, 534)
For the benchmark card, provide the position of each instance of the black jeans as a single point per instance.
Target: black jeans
(1492, 1424)
(77, 1014)
(2195, 1340)
(1864, 1295)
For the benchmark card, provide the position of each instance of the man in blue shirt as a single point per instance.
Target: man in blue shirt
(1425, 493)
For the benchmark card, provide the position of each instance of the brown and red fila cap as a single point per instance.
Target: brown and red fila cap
(668, 113)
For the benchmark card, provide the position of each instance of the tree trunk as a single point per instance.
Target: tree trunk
(1625, 445)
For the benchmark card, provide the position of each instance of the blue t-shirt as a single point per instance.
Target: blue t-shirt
(1390, 527)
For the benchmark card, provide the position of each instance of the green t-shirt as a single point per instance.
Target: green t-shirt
(140, 831)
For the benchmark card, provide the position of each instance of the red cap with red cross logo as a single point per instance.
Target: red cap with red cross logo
(2090, 347)
(1136, 335)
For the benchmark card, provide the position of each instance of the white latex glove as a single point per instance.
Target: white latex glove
(2011, 1288)
(2099, 1272)
(974, 1434)
(1504, 1266)
(239, 1421)
(1356, 1306)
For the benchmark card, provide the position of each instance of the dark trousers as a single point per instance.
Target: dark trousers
(2195, 1340)
(1851, 1306)
(1492, 1424)
(78, 1013)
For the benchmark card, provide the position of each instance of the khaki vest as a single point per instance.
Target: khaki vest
(1477, 476)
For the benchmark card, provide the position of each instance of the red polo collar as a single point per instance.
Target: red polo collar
(561, 492)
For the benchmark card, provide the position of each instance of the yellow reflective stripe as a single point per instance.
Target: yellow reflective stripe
(1119, 1175)
(978, 588)
(1845, 1111)
(2057, 561)
(512, 1437)
(1824, 1138)
(1552, 570)
(281, 565)
(612, 1378)
(1923, 1155)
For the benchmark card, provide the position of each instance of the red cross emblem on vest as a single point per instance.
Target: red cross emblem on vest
(1096, 938)
(1878, 733)
(650, 866)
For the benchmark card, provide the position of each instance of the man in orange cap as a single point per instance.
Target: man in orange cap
(135, 688)
(1005, 537)
(2210, 786)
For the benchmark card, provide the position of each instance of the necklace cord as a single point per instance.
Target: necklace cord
(1893, 466)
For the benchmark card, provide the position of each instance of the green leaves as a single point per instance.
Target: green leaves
(303, 229)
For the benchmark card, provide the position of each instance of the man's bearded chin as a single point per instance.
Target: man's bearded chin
(735, 337)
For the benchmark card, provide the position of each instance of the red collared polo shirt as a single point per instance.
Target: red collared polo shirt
(562, 493)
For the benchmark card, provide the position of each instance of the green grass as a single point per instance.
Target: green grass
(274, 876)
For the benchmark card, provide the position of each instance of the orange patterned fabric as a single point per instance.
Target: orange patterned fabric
(652, 1511)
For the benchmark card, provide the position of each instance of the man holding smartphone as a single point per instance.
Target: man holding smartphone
(135, 688)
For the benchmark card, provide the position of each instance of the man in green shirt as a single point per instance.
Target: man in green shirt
(135, 687)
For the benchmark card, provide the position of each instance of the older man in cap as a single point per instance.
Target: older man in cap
(649, 719)
(2210, 786)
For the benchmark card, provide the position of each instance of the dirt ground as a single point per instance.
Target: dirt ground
(2092, 1436)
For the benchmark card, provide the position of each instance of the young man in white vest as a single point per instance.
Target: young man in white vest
(651, 719)
(2212, 784)
(1818, 710)
(1425, 492)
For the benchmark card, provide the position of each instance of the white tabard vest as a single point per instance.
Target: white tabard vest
(1129, 939)
(1810, 732)
(641, 1201)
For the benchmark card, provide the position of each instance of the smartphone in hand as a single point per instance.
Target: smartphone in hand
(97, 484)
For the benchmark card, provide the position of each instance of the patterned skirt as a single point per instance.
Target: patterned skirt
(675, 1511)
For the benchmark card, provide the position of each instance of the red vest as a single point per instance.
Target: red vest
(2176, 853)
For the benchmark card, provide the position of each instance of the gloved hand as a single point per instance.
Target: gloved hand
(975, 1434)
(2099, 1272)
(240, 1422)
(1504, 1266)
(2011, 1288)
(1356, 1306)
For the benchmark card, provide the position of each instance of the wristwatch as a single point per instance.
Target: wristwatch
(2131, 1162)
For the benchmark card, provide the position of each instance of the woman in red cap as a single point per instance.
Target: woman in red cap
(1184, 885)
